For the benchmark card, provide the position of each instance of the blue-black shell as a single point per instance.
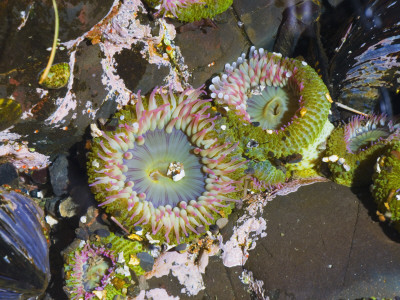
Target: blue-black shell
(24, 253)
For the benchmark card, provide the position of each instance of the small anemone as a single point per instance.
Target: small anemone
(279, 103)
(352, 150)
(190, 10)
(161, 170)
(386, 184)
(88, 269)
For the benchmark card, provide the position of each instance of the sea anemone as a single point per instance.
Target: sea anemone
(88, 270)
(190, 10)
(101, 268)
(386, 183)
(159, 168)
(279, 103)
(352, 149)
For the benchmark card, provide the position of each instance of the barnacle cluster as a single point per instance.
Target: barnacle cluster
(386, 183)
(353, 149)
(102, 269)
(277, 108)
(162, 169)
(190, 10)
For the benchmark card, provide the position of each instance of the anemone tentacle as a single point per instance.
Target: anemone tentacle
(171, 174)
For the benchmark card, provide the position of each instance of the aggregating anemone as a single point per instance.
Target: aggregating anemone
(161, 169)
(352, 149)
(190, 10)
(101, 269)
(386, 183)
(278, 103)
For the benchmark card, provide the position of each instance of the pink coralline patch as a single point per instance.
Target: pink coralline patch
(155, 294)
(23, 157)
(235, 251)
(184, 268)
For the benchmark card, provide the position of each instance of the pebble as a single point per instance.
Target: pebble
(7, 173)
(59, 175)
(68, 208)
(146, 261)
(102, 232)
(133, 291)
(40, 176)
(221, 223)
(200, 229)
(181, 247)
(214, 228)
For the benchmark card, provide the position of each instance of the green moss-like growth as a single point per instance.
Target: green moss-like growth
(10, 113)
(386, 183)
(190, 10)
(57, 77)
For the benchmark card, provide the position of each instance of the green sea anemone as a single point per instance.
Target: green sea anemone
(101, 268)
(353, 149)
(386, 183)
(279, 105)
(190, 10)
(161, 170)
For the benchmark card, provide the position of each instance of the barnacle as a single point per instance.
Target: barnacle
(101, 267)
(279, 103)
(352, 149)
(190, 10)
(161, 170)
(386, 183)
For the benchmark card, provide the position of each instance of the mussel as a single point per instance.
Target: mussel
(367, 60)
(24, 253)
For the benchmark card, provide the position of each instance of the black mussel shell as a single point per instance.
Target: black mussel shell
(368, 58)
(24, 255)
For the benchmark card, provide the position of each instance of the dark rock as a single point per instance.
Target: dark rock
(51, 205)
(102, 232)
(261, 20)
(59, 175)
(146, 261)
(137, 228)
(8, 173)
(82, 234)
(323, 234)
(214, 228)
(133, 290)
(220, 44)
(138, 73)
(40, 176)
(181, 247)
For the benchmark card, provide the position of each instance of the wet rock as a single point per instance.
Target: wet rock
(221, 223)
(200, 229)
(8, 173)
(68, 208)
(102, 232)
(137, 72)
(40, 176)
(219, 44)
(52, 204)
(146, 261)
(261, 20)
(214, 229)
(59, 175)
(181, 247)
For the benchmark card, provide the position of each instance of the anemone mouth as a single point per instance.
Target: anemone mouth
(364, 132)
(138, 168)
(271, 106)
(149, 168)
(91, 268)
